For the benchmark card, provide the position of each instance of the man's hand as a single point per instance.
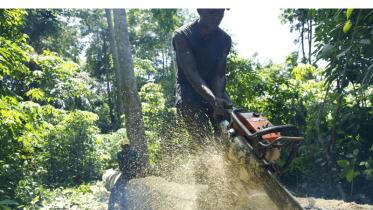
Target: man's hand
(220, 105)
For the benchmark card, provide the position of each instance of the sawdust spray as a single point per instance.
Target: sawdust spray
(197, 176)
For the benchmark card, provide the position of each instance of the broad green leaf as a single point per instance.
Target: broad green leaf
(350, 175)
(343, 163)
(36, 199)
(347, 26)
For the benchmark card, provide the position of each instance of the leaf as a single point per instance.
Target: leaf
(36, 199)
(349, 155)
(348, 13)
(355, 152)
(362, 163)
(35, 93)
(326, 50)
(369, 174)
(344, 52)
(365, 41)
(368, 76)
(8, 202)
(343, 163)
(350, 175)
(369, 163)
(347, 26)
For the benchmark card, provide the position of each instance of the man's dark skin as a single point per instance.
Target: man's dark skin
(201, 53)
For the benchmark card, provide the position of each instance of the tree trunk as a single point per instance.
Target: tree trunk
(112, 117)
(310, 41)
(107, 68)
(132, 108)
(302, 43)
(119, 83)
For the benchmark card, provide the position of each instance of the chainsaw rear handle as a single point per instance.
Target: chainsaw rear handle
(274, 129)
(281, 141)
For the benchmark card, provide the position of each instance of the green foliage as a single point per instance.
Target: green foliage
(85, 196)
(241, 71)
(13, 63)
(70, 154)
(108, 145)
(144, 71)
(343, 114)
(54, 30)
(152, 40)
(45, 145)
(10, 21)
(7, 203)
(368, 169)
(279, 91)
(153, 102)
(157, 118)
(40, 143)
(349, 51)
(60, 80)
(301, 21)
(142, 35)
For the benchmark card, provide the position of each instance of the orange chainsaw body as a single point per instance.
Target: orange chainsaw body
(255, 122)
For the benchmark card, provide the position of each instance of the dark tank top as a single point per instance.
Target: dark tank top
(207, 52)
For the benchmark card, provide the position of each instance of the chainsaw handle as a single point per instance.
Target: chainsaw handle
(281, 141)
(273, 129)
(228, 106)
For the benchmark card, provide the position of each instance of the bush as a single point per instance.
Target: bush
(108, 145)
(70, 155)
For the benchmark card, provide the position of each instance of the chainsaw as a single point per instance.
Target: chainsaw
(255, 144)
(263, 138)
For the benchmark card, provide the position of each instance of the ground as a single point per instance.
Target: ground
(95, 196)
(319, 203)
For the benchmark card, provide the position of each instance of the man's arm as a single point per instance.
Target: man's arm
(219, 82)
(188, 63)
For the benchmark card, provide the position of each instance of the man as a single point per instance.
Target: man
(201, 53)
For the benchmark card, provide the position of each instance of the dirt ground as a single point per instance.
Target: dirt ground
(322, 204)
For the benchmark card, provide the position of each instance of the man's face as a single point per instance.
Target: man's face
(211, 17)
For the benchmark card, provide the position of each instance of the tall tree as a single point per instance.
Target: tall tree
(114, 53)
(132, 106)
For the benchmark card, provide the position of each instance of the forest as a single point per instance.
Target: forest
(69, 99)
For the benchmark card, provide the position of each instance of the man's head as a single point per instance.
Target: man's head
(210, 18)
